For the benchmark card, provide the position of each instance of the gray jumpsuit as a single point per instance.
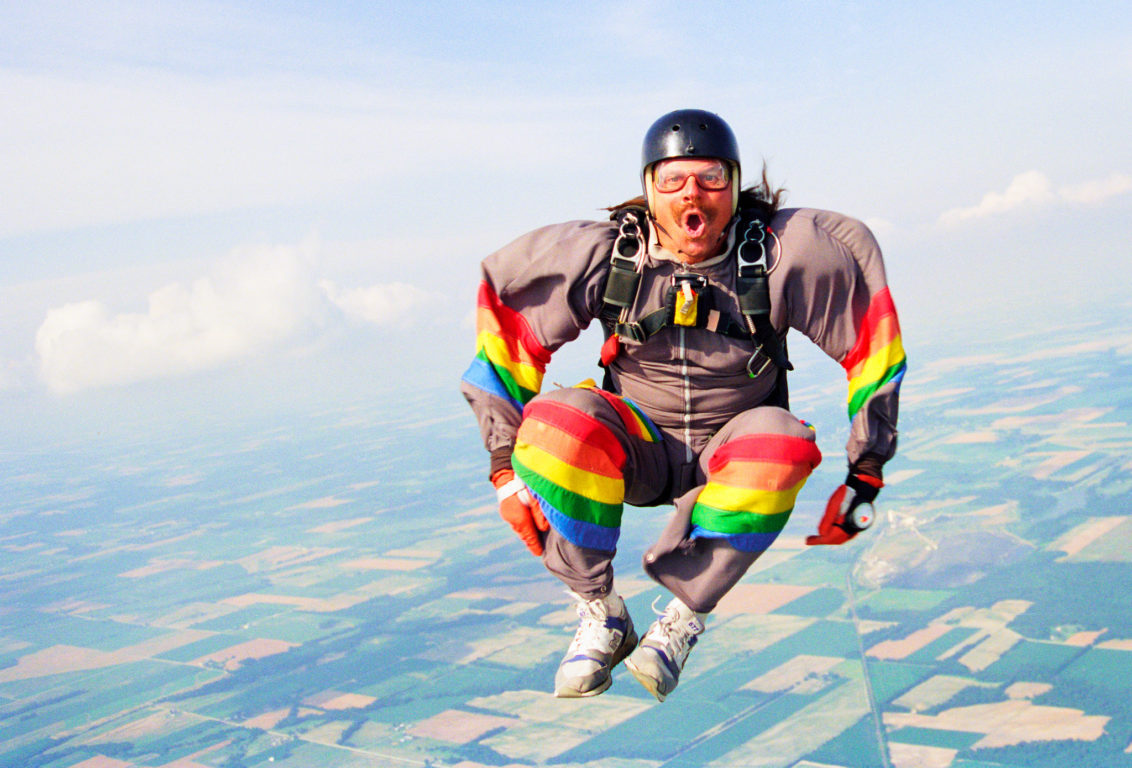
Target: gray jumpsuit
(686, 423)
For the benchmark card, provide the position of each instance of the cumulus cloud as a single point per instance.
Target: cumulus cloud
(383, 303)
(1033, 189)
(258, 299)
(1026, 189)
(1098, 190)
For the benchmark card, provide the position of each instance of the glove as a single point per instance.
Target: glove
(520, 511)
(848, 511)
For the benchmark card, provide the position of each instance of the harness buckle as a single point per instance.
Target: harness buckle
(766, 361)
(630, 242)
(754, 237)
(632, 331)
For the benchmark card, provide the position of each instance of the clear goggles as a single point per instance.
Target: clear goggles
(671, 177)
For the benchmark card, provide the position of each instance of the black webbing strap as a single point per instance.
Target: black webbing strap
(753, 286)
(624, 278)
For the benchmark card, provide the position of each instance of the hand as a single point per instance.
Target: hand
(520, 511)
(848, 511)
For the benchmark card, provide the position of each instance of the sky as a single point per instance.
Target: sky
(206, 204)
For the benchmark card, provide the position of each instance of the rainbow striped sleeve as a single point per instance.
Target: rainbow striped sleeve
(877, 358)
(509, 361)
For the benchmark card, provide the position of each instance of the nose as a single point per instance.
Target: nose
(691, 186)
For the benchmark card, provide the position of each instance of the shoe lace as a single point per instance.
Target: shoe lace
(677, 634)
(592, 632)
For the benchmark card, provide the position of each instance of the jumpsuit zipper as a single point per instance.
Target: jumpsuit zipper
(688, 456)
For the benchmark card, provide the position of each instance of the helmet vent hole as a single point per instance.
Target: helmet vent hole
(675, 129)
(703, 126)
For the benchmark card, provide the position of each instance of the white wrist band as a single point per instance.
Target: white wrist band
(510, 488)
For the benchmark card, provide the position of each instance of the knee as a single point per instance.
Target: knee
(767, 434)
(574, 425)
(582, 399)
(771, 420)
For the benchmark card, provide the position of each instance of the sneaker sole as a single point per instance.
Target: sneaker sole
(627, 647)
(650, 684)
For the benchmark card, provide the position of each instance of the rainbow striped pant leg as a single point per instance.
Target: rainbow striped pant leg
(573, 450)
(754, 475)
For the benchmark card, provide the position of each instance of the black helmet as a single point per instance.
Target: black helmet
(690, 133)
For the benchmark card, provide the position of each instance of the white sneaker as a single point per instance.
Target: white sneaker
(660, 657)
(605, 636)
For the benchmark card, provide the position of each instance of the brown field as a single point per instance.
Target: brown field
(385, 564)
(1076, 540)
(989, 650)
(966, 438)
(98, 761)
(74, 607)
(920, 756)
(315, 604)
(901, 475)
(338, 700)
(340, 525)
(278, 557)
(230, 658)
(161, 566)
(1007, 723)
(57, 659)
(459, 727)
(179, 481)
(1055, 462)
(326, 502)
(267, 720)
(802, 674)
(933, 692)
(902, 649)
(1083, 639)
(758, 598)
(1028, 690)
(189, 762)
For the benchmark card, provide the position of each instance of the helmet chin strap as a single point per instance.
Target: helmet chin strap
(649, 191)
(734, 189)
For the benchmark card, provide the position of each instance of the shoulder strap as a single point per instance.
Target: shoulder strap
(625, 263)
(753, 287)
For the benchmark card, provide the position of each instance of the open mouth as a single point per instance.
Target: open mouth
(693, 224)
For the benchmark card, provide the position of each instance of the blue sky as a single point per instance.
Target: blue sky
(220, 197)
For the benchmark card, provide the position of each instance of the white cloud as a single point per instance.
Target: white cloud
(382, 303)
(1097, 190)
(259, 299)
(1026, 189)
(1033, 189)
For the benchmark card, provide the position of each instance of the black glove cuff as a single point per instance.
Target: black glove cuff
(868, 464)
(866, 492)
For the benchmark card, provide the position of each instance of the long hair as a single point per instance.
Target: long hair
(761, 197)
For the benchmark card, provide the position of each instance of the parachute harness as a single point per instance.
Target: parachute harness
(753, 270)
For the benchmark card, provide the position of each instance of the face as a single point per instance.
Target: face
(691, 217)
